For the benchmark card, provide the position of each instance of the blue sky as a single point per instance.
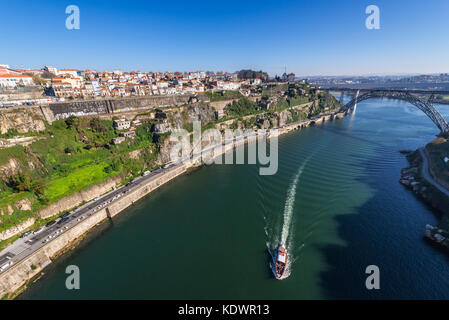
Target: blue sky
(308, 37)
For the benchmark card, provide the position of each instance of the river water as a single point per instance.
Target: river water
(335, 199)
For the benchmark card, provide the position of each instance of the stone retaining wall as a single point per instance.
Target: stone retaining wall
(18, 274)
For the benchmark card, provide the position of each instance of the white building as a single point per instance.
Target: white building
(71, 72)
(227, 85)
(51, 69)
(162, 84)
(122, 124)
(12, 81)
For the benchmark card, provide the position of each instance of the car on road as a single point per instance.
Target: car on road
(38, 230)
(25, 234)
(62, 220)
(146, 173)
(6, 265)
(50, 223)
(66, 215)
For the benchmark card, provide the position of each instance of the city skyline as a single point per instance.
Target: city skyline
(260, 35)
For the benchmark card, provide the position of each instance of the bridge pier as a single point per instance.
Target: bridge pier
(342, 95)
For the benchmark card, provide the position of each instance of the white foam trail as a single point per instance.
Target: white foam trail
(289, 204)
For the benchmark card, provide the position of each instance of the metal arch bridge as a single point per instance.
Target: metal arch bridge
(404, 95)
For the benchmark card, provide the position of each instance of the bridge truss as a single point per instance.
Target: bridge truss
(425, 106)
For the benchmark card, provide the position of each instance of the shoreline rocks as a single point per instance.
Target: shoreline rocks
(437, 235)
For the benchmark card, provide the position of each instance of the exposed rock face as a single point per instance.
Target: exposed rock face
(164, 150)
(264, 123)
(220, 105)
(134, 154)
(162, 128)
(200, 112)
(284, 117)
(16, 229)
(9, 169)
(24, 204)
(7, 210)
(188, 114)
(22, 120)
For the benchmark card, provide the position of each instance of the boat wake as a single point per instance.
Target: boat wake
(286, 236)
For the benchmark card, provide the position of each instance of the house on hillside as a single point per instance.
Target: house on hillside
(122, 124)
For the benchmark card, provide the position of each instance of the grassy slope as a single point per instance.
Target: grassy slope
(70, 159)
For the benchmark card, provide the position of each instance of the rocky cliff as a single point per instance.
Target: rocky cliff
(22, 120)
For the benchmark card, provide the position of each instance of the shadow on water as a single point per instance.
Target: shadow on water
(410, 267)
(268, 261)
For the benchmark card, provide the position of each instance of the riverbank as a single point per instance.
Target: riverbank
(421, 179)
(15, 279)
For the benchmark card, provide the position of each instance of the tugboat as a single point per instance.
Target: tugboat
(281, 262)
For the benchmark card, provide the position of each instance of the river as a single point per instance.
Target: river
(336, 198)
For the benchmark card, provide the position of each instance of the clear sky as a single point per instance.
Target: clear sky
(308, 37)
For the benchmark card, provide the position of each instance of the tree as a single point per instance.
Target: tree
(38, 188)
(47, 75)
(97, 125)
(72, 121)
(251, 74)
(43, 199)
(36, 79)
(21, 182)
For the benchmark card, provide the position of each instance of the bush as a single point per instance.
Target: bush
(242, 107)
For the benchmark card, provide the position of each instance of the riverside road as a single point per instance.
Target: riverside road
(29, 244)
